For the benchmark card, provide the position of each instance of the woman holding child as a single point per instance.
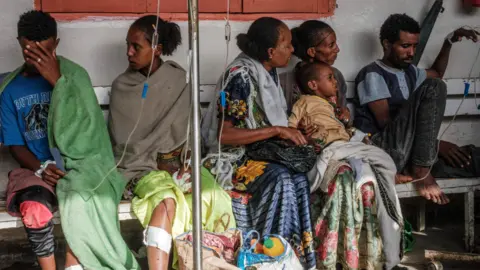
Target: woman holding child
(344, 213)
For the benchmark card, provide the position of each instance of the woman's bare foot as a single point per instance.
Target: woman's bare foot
(428, 187)
(402, 179)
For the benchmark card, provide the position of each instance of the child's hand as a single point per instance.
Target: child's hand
(366, 140)
(343, 114)
(307, 129)
(317, 147)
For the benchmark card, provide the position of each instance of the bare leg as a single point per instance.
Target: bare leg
(162, 217)
(428, 187)
(47, 263)
(70, 259)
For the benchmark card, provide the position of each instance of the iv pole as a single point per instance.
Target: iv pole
(193, 32)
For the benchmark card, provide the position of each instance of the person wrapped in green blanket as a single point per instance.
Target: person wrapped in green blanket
(155, 159)
(64, 112)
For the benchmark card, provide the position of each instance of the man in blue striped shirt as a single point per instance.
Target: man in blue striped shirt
(402, 106)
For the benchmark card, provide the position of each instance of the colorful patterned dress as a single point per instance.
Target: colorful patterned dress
(267, 197)
(345, 223)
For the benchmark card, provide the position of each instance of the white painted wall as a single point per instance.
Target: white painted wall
(9, 50)
(98, 44)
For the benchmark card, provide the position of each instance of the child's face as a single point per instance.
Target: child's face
(325, 85)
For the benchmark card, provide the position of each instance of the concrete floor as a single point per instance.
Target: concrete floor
(444, 233)
(15, 251)
(445, 238)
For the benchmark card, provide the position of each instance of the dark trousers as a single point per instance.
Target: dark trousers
(41, 239)
(411, 138)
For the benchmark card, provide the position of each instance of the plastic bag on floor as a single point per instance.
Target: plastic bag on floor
(248, 259)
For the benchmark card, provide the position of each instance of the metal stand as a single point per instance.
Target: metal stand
(196, 150)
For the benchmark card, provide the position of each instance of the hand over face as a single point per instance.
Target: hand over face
(44, 60)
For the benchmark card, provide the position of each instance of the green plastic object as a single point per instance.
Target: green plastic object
(268, 243)
(408, 239)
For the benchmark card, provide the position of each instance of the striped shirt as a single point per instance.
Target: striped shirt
(378, 81)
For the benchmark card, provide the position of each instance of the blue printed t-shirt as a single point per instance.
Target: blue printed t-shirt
(24, 107)
(378, 81)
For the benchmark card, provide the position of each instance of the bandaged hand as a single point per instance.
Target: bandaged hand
(52, 174)
(184, 170)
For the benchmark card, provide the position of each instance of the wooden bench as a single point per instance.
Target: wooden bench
(467, 187)
(450, 186)
(7, 163)
(7, 221)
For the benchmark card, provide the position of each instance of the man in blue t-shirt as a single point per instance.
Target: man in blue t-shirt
(24, 105)
(402, 106)
(24, 114)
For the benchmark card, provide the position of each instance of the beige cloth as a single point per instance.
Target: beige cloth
(213, 259)
(163, 127)
(318, 111)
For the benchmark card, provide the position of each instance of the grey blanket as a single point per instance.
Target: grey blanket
(371, 164)
(163, 126)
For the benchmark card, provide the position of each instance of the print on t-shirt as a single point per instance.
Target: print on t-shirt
(36, 122)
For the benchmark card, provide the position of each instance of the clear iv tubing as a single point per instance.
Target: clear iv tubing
(470, 77)
(222, 93)
(474, 79)
(467, 86)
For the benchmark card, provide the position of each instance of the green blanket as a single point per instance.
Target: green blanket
(88, 206)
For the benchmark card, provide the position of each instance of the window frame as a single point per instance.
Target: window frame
(90, 6)
(326, 8)
(283, 6)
